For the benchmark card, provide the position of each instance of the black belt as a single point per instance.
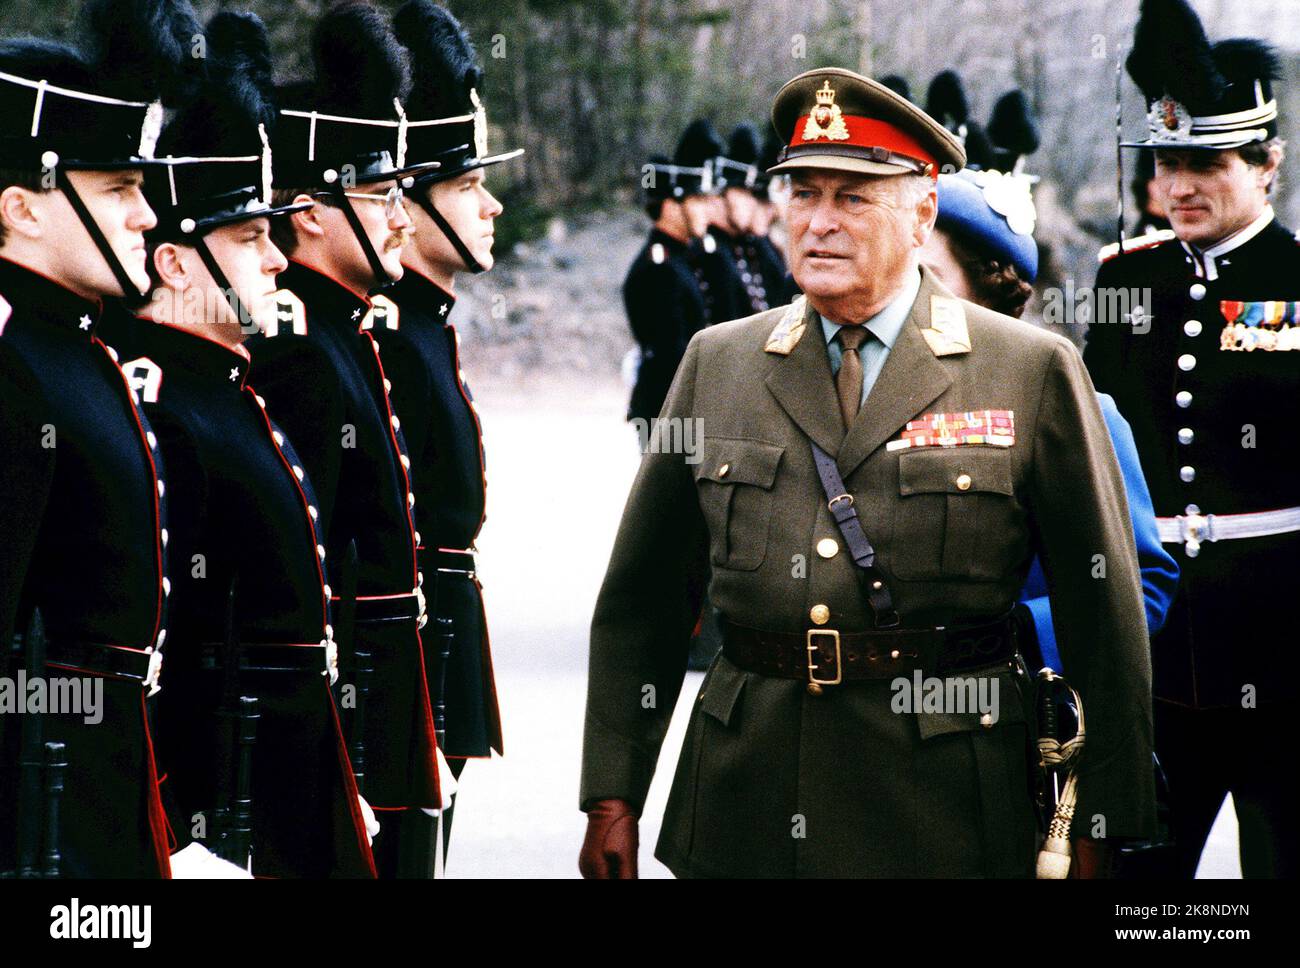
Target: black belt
(826, 657)
(97, 658)
(450, 560)
(373, 610)
(269, 656)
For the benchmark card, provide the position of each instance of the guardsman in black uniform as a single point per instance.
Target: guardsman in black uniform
(661, 294)
(452, 214)
(83, 530)
(244, 511)
(1206, 372)
(715, 265)
(333, 146)
(776, 275)
(738, 175)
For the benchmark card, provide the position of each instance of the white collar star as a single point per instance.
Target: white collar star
(234, 374)
(85, 322)
(443, 310)
(356, 314)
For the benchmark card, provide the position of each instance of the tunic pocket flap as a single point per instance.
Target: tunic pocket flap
(731, 460)
(969, 693)
(955, 470)
(722, 690)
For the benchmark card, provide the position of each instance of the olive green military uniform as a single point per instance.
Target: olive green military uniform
(776, 781)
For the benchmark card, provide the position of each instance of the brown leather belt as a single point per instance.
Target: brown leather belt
(827, 657)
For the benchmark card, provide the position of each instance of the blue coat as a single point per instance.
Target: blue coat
(1159, 570)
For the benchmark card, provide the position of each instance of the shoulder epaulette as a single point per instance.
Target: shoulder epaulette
(658, 253)
(5, 312)
(145, 377)
(788, 331)
(1136, 244)
(290, 315)
(382, 315)
(947, 334)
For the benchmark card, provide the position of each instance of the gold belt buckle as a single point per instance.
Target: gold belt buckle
(814, 683)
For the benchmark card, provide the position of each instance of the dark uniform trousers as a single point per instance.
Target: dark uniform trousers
(327, 387)
(775, 781)
(243, 507)
(1202, 373)
(82, 517)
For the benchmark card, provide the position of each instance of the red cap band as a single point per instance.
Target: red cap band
(868, 133)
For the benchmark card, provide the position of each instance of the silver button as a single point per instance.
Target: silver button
(320, 552)
(112, 353)
(1183, 398)
(1185, 435)
(1186, 362)
(162, 488)
(278, 438)
(1192, 327)
(153, 441)
(162, 636)
(417, 537)
(311, 509)
(167, 586)
(1197, 291)
(1187, 473)
(397, 424)
(163, 535)
(329, 592)
(297, 472)
(410, 500)
(261, 401)
(388, 385)
(406, 461)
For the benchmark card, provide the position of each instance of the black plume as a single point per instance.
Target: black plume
(1171, 55)
(37, 57)
(772, 146)
(239, 53)
(444, 66)
(898, 85)
(946, 100)
(143, 49)
(360, 67)
(699, 145)
(743, 144)
(1012, 126)
(1245, 59)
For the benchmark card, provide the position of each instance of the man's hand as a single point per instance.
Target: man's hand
(1093, 859)
(609, 850)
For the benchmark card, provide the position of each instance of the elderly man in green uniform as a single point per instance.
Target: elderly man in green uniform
(880, 463)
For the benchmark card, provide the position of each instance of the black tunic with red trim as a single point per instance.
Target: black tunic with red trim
(421, 350)
(1215, 427)
(326, 387)
(244, 507)
(82, 518)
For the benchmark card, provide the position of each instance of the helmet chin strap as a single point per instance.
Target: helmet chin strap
(219, 276)
(131, 296)
(472, 264)
(382, 279)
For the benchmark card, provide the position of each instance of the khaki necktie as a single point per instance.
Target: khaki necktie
(848, 382)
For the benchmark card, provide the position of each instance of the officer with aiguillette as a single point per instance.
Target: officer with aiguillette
(1205, 374)
(881, 461)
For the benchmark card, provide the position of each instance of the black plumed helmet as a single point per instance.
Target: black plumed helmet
(1200, 95)
(447, 120)
(898, 84)
(345, 122)
(738, 166)
(223, 127)
(98, 103)
(946, 102)
(1012, 129)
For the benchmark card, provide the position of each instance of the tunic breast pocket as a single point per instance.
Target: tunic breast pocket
(734, 481)
(957, 514)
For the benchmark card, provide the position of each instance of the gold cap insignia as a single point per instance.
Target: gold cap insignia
(825, 120)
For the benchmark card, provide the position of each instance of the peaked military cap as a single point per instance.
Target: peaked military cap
(837, 119)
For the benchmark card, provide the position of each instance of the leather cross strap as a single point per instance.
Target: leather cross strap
(869, 655)
(840, 502)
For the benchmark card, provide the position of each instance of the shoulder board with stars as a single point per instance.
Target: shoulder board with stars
(382, 315)
(5, 312)
(785, 337)
(145, 377)
(947, 334)
(290, 315)
(1136, 244)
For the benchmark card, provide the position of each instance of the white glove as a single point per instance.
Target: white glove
(368, 815)
(446, 783)
(197, 863)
